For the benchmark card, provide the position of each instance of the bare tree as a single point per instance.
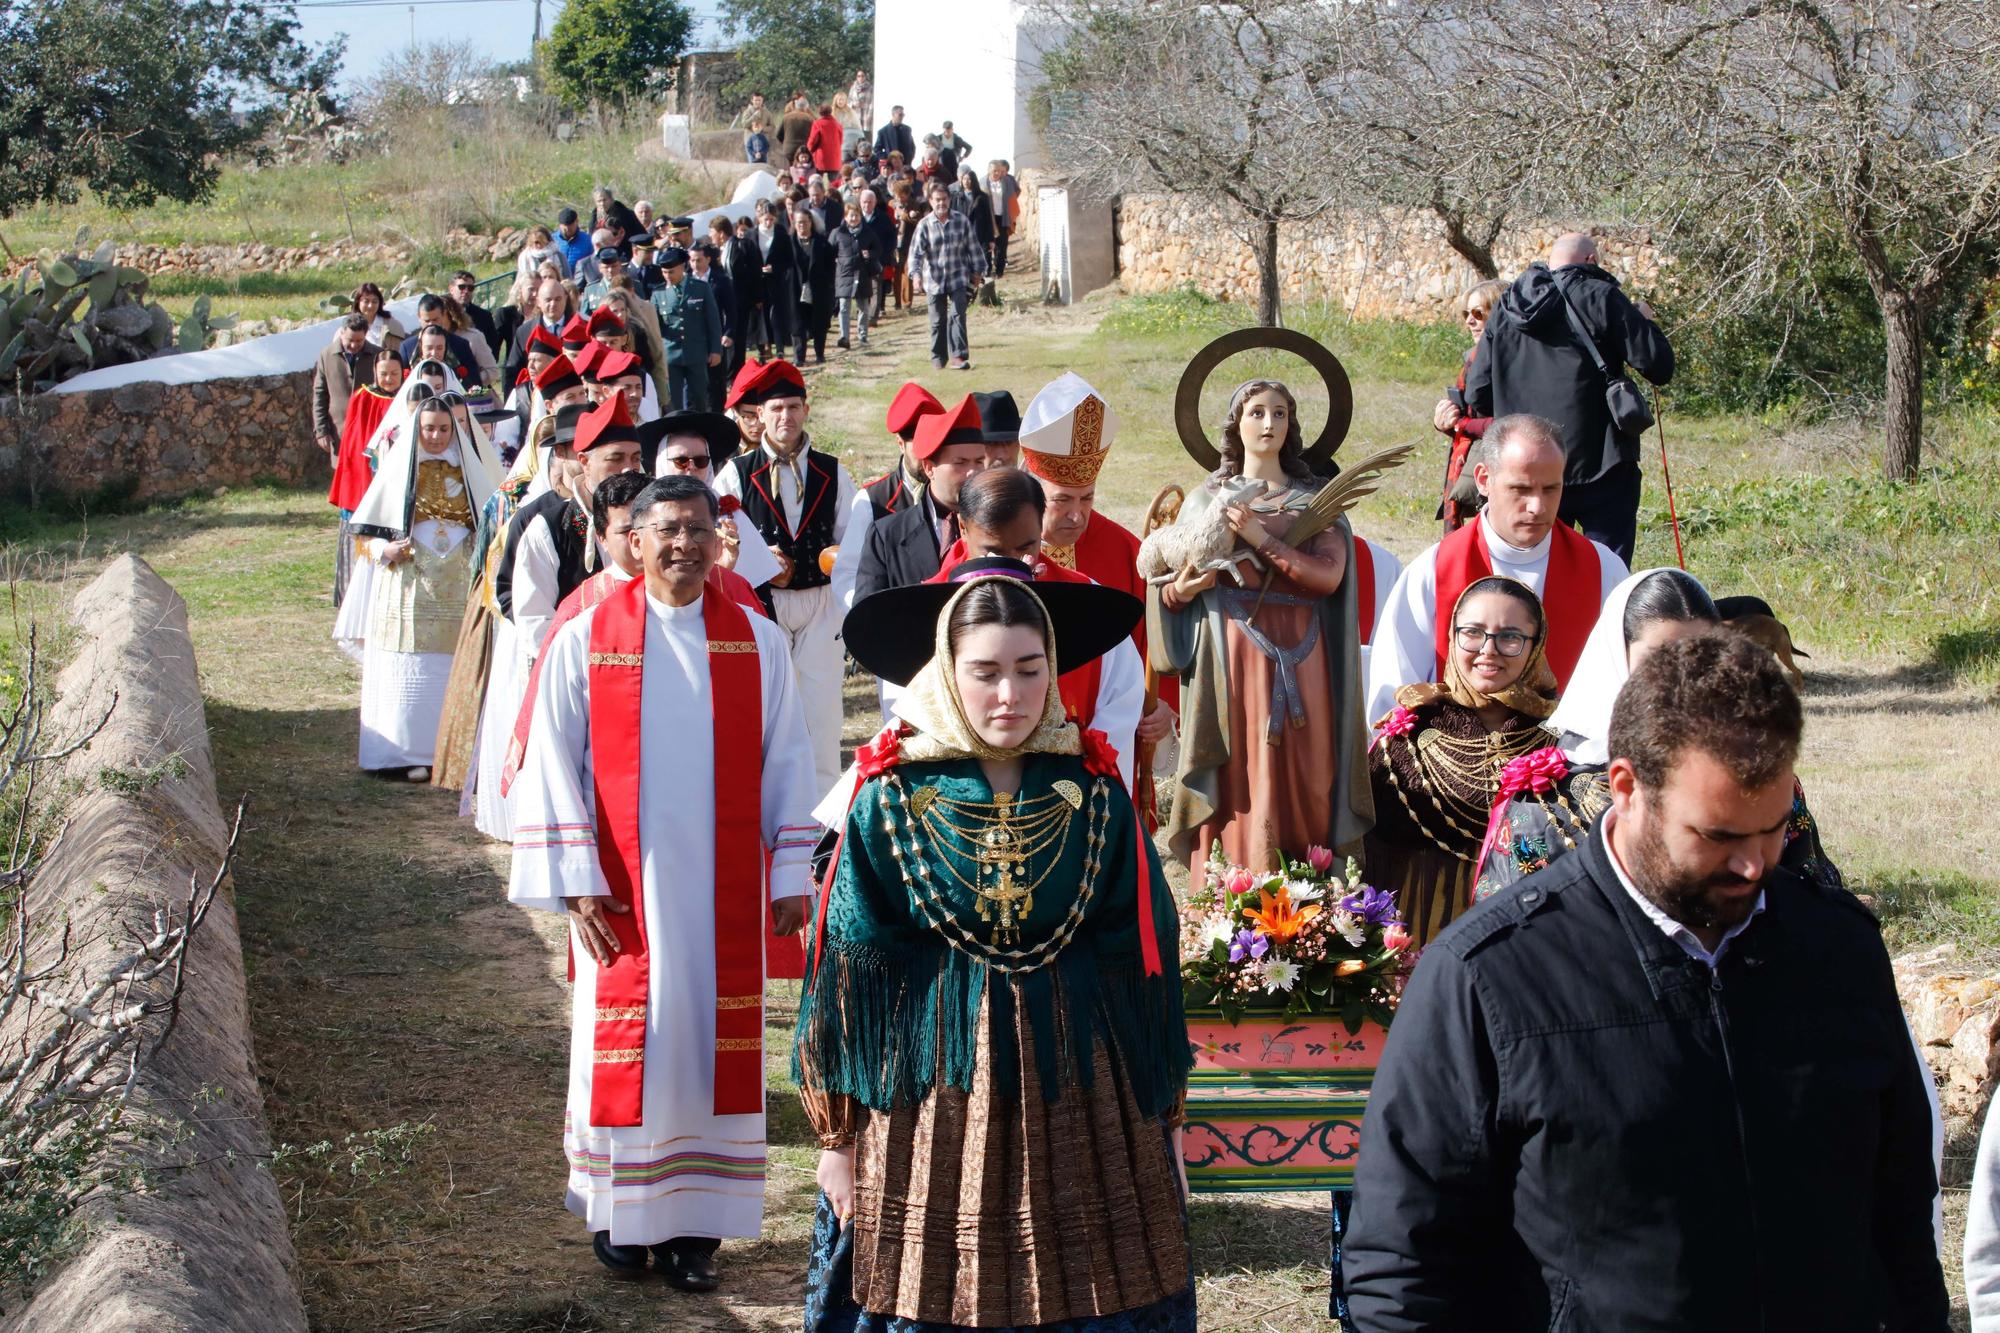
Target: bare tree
(422, 77)
(1749, 131)
(1202, 100)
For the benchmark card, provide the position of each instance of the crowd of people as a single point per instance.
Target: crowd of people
(1661, 1082)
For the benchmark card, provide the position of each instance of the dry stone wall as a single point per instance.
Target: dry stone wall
(156, 441)
(1395, 266)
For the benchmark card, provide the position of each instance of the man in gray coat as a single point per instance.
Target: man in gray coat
(691, 328)
(344, 365)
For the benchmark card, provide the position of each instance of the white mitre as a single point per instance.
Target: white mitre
(1067, 432)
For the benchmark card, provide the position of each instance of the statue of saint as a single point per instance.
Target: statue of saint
(1262, 631)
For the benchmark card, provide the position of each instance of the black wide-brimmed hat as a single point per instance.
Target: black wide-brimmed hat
(892, 633)
(721, 433)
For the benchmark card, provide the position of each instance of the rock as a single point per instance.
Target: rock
(1955, 1016)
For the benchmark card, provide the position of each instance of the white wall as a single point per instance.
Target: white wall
(967, 61)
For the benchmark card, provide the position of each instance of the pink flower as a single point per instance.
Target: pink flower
(1396, 937)
(1319, 858)
(1399, 723)
(1240, 881)
(1538, 772)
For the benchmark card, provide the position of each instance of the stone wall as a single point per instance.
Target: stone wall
(698, 85)
(155, 441)
(205, 1249)
(1396, 266)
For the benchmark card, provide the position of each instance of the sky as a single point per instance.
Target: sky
(502, 29)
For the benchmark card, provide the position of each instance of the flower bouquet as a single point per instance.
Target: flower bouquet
(1297, 941)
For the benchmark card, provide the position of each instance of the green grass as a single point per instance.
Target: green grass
(1921, 909)
(480, 174)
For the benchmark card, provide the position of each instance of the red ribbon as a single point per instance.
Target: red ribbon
(1101, 758)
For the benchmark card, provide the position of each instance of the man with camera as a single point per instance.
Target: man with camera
(1558, 346)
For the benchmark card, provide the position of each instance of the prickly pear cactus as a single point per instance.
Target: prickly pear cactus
(65, 314)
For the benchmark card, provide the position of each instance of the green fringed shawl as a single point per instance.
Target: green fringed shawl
(891, 1010)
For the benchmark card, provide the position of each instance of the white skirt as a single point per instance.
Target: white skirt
(350, 624)
(505, 684)
(402, 700)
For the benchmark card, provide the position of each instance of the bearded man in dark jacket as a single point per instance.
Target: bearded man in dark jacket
(1663, 1083)
(1529, 360)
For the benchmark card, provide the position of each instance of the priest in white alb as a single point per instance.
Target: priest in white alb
(667, 756)
(1519, 469)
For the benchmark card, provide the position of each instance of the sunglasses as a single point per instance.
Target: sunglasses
(689, 462)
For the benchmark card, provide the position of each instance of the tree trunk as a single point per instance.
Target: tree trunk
(1265, 242)
(1467, 246)
(1903, 386)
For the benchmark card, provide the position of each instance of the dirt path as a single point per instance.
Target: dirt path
(410, 1026)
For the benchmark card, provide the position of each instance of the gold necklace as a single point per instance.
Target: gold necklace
(937, 914)
(1001, 851)
(1448, 765)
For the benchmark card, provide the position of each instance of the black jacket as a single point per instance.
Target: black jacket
(813, 271)
(902, 549)
(883, 227)
(1529, 361)
(852, 274)
(1577, 1127)
(724, 288)
(482, 319)
(894, 138)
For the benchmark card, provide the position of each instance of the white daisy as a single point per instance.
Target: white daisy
(1304, 890)
(1351, 927)
(1215, 930)
(1280, 974)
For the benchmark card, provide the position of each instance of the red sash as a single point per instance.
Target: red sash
(1364, 590)
(617, 657)
(1572, 594)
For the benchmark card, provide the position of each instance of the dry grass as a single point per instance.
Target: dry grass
(391, 986)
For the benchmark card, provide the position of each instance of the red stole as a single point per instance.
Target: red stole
(1364, 590)
(736, 695)
(1109, 554)
(1572, 592)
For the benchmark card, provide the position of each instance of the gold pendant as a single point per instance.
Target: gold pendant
(920, 801)
(1070, 792)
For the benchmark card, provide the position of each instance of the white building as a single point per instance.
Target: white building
(972, 62)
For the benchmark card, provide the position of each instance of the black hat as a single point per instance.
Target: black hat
(568, 417)
(610, 254)
(671, 256)
(682, 223)
(721, 433)
(999, 418)
(892, 633)
(566, 215)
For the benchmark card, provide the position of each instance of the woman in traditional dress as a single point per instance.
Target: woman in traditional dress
(366, 407)
(990, 1044)
(1436, 763)
(1552, 798)
(413, 526)
(1273, 744)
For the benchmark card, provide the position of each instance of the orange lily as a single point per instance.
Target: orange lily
(1278, 917)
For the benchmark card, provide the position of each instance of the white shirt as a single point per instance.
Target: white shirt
(1405, 647)
(1672, 929)
(788, 479)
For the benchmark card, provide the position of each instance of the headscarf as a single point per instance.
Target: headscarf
(1583, 718)
(1533, 693)
(385, 509)
(932, 704)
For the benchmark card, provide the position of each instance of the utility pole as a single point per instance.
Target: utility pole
(538, 30)
(413, 27)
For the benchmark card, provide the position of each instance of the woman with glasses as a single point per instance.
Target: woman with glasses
(1436, 763)
(1461, 498)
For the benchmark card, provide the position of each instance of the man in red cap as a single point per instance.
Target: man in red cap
(549, 548)
(898, 488)
(799, 500)
(905, 548)
(620, 373)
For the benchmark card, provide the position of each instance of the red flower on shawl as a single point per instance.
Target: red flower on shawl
(1100, 756)
(1538, 772)
(883, 753)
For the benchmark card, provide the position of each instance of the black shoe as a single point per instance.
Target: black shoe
(622, 1260)
(843, 345)
(686, 1270)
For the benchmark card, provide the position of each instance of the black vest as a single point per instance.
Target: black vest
(569, 528)
(757, 483)
(891, 492)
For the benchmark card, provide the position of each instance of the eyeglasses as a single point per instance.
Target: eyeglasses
(1506, 642)
(694, 532)
(689, 462)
